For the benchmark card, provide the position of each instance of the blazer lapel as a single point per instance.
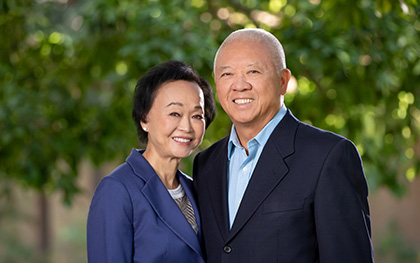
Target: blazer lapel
(163, 204)
(217, 176)
(270, 170)
(187, 185)
(169, 212)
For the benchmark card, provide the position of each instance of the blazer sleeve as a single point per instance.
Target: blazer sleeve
(109, 224)
(341, 208)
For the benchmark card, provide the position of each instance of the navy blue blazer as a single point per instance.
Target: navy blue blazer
(133, 218)
(306, 201)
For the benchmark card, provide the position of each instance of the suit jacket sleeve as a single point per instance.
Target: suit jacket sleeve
(341, 207)
(109, 227)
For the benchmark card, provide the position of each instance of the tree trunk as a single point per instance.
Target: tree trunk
(44, 226)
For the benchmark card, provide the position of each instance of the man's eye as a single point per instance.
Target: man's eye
(225, 74)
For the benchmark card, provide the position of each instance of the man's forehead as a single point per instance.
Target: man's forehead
(245, 64)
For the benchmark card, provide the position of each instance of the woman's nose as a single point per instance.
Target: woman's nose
(185, 124)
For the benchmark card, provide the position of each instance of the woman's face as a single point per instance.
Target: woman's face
(175, 123)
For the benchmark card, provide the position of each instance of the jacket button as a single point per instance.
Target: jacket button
(227, 249)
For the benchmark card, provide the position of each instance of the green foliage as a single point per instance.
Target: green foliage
(68, 71)
(393, 247)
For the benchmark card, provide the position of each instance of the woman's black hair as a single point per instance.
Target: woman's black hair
(147, 86)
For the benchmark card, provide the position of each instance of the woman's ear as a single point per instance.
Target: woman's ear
(144, 126)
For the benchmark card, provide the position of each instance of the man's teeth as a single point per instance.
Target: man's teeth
(182, 140)
(243, 101)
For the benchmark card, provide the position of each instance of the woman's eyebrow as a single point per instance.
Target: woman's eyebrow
(175, 103)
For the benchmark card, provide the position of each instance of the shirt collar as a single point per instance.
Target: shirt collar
(261, 138)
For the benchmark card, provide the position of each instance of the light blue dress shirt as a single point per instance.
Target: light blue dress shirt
(241, 166)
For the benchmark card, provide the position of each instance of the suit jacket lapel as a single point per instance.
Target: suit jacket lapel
(269, 171)
(187, 185)
(217, 176)
(162, 202)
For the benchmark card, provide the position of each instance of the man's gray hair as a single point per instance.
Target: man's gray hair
(273, 45)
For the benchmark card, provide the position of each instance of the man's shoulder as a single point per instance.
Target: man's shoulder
(292, 127)
(311, 137)
(216, 149)
(313, 131)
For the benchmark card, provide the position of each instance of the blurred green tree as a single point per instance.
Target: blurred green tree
(68, 70)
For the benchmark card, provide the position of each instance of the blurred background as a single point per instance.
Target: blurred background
(68, 69)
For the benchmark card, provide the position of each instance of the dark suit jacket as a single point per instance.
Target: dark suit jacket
(306, 201)
(133, 218)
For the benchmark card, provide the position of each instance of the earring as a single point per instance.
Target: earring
(145, 129)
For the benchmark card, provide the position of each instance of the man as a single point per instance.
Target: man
(276, 189)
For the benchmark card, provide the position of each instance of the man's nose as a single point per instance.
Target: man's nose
(240, 83)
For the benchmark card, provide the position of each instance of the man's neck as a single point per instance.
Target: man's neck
(248, 131)
(245, 134)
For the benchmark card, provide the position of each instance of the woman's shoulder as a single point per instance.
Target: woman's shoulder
(124, 176)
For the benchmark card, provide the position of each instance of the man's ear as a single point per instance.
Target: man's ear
(284, 80)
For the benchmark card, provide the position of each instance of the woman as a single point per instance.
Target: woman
(144, 211)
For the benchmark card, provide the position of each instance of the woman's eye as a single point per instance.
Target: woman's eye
(175, 114)
(200, 117)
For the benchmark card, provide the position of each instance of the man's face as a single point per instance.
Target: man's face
(248, 86)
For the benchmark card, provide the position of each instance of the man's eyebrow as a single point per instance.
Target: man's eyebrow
(248, 66)
(224, 68)
(253, 64)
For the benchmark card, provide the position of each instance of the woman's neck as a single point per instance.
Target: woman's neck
(165, 168)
